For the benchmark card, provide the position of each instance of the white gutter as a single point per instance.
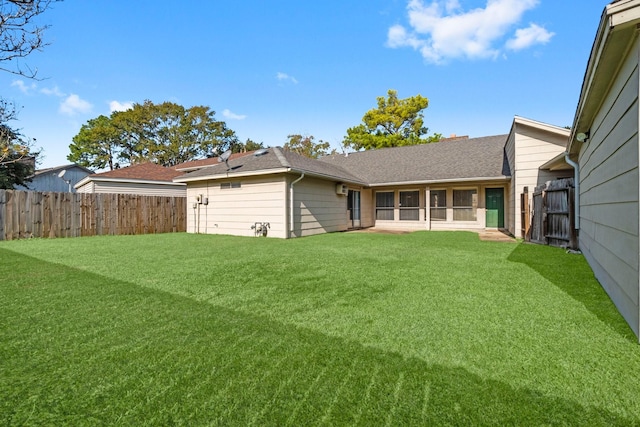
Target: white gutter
(576, 183)
(291, 222)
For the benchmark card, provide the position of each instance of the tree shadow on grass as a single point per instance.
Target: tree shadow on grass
(79, 348)
(571, 273)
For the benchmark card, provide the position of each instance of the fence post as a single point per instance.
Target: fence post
(3, 212)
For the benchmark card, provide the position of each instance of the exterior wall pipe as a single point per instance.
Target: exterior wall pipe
(291, 221)
(576, 179)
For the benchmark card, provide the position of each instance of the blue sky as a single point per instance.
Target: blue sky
(274, 68)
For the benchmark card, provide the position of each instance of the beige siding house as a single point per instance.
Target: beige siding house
(530, 145)
(458, 184)
(294, 195)
(232, 205)
(432, 186)
(604, 141)
(147, 179)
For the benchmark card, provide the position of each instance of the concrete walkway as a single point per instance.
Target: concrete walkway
(487, 235)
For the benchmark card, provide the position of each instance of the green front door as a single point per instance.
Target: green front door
(495, 207)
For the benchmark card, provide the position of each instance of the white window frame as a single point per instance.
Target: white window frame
(473, 207)
(386, 208)
(402, 209)
(442, 206)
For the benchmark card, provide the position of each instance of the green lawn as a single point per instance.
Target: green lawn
(428, 328)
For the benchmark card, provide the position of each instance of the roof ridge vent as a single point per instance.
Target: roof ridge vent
(281, 157)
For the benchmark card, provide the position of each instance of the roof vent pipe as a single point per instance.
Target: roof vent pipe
(576, 183)
(291, 221)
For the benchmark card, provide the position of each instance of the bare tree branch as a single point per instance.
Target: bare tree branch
(20, 35)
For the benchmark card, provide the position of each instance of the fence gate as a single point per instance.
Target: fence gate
(553, 221)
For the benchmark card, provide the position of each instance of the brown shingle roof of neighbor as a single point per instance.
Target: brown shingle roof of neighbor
(454, 160)
(210, 161)
(272, 160)
(143, 171)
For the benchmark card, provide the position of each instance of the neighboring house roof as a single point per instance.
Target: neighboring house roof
(211, 161)
(144, 172)
(61, 168)
(269, 161)
(446, 161)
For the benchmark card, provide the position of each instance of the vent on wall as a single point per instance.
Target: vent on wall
(342, 189)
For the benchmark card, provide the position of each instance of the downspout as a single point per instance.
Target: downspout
(576, 183)
(291, 221)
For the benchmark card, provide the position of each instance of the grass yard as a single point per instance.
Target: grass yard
(428, 328)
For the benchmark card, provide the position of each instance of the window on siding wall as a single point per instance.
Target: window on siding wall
(438, 204)
(228, 185)
(409, 205)
(465, 205)
(384, 206)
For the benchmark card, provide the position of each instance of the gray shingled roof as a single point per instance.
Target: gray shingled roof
(275, 160)
(461, 160)
(458, 160)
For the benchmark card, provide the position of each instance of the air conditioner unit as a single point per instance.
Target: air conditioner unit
(342, 189)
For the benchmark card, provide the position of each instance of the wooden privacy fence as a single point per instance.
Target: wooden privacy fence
(553, 221)
(25, 214)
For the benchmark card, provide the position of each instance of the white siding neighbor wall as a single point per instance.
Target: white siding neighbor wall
(87, 188)
(317, 208)
(609, 192)
(234, 210)
(143, 189)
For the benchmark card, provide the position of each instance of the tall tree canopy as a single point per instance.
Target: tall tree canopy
(166, 134)
(249, 145)
(305, 145)
(394, 123)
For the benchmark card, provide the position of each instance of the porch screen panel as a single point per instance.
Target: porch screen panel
(384, 206)
(465, 205)
(438, 203)
(409, 205)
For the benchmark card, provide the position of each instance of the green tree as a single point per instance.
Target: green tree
(306, 146)
(249, 145)
(17, 155)
(166, 134)
(97, 145)
(396, 122)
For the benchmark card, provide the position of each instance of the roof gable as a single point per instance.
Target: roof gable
(615, 34)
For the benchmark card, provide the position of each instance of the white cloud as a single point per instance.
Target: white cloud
(442, 30)
(24, 88)
(526, 37)
(73, 105)
(120, 106)
(285, 77)
(226, 113)
(55, 91)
